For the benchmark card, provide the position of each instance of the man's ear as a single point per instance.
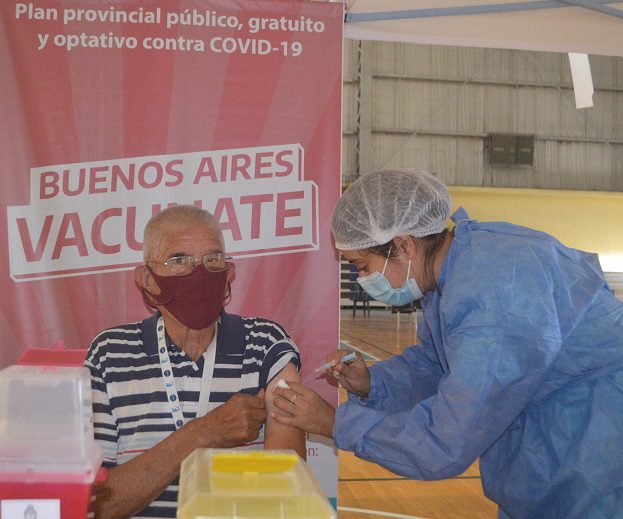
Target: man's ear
(142, 277)
(231, 273)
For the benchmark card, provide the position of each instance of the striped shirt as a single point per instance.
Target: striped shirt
(131, 412)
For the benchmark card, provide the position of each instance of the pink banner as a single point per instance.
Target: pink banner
(113, 110)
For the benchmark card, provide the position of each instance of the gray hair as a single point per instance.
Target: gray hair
(176, 219)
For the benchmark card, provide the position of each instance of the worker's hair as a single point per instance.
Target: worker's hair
(429, 244)
(174, 220)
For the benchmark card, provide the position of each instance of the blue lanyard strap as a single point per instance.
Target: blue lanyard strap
(167, 376)
(209, 359)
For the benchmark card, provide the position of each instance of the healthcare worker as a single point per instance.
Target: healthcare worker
(520, 361)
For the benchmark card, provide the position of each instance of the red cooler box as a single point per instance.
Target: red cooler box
(49, 460)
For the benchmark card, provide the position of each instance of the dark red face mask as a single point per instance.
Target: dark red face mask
(195, 300)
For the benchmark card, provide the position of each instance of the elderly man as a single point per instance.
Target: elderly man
(189, 376)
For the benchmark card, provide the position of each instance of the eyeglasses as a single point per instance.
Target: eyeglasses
(185, 264)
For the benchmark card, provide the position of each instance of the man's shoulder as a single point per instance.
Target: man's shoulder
(257, 331)
(121, 331)
(258, 324)
(123, 337)
(269, 344)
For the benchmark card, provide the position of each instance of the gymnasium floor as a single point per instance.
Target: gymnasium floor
(366, 490)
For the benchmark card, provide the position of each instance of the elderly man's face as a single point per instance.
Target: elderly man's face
(194, 241)
(193, 299)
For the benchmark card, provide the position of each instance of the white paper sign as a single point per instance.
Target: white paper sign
(30, 509)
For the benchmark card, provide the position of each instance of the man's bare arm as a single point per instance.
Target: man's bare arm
(280, 436)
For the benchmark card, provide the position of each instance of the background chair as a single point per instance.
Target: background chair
(357, 294)
(410, 308)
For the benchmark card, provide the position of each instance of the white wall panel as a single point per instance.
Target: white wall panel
(413, 60)
(585, 166)
(412, 105)
(442, 158)
(617, 167)
(471, 66)
(500, 109)
(547, 165)
(548, 108)
(604, 71)
(384, 60)
(401, 59)
(571, 166)
(618, 65)
(597, 167)
(617, 113)
(349, 156)
(349, 60)
(401, 151)
(565, 71)
(443, 107)
(500, 65)
(572, 121)
(419, 101)
(383, 103)
(470, 115)
(600, 118)
(526, 112)
(545, 68)
(520, 177)
(470, 167)
(401, 105)
(444, 62)
(349, 108)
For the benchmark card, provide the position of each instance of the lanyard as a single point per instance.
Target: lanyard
(209, 359)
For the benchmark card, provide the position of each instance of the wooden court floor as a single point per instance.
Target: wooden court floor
(366, 490)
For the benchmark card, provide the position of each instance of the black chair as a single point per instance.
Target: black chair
(357, 294)
(407, 309)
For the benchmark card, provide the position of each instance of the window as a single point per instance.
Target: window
(511, 149)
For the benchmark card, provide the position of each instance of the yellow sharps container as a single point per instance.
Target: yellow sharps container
(243, 484)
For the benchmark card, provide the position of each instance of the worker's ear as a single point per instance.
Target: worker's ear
(404, 245)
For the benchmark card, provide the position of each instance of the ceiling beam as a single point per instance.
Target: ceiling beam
(595, 5)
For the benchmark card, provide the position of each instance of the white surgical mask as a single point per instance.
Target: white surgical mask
(377, 286)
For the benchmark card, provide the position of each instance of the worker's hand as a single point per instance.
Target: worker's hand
(353, 376)
(302, 407)
(236, 422)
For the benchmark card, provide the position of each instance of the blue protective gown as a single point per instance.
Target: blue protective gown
(520, 364)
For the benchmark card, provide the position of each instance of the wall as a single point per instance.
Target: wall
(434, 107)
(590, 221)
(571, 216)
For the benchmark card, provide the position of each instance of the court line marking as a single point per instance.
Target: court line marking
(377, 512)
(367, 343)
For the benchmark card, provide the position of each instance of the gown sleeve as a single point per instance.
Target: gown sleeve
(500, 334)
(400, 382)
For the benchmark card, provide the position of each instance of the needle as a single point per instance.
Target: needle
(346, 359)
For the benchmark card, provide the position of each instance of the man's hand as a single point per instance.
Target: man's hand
(236, 422)
(130, 487)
